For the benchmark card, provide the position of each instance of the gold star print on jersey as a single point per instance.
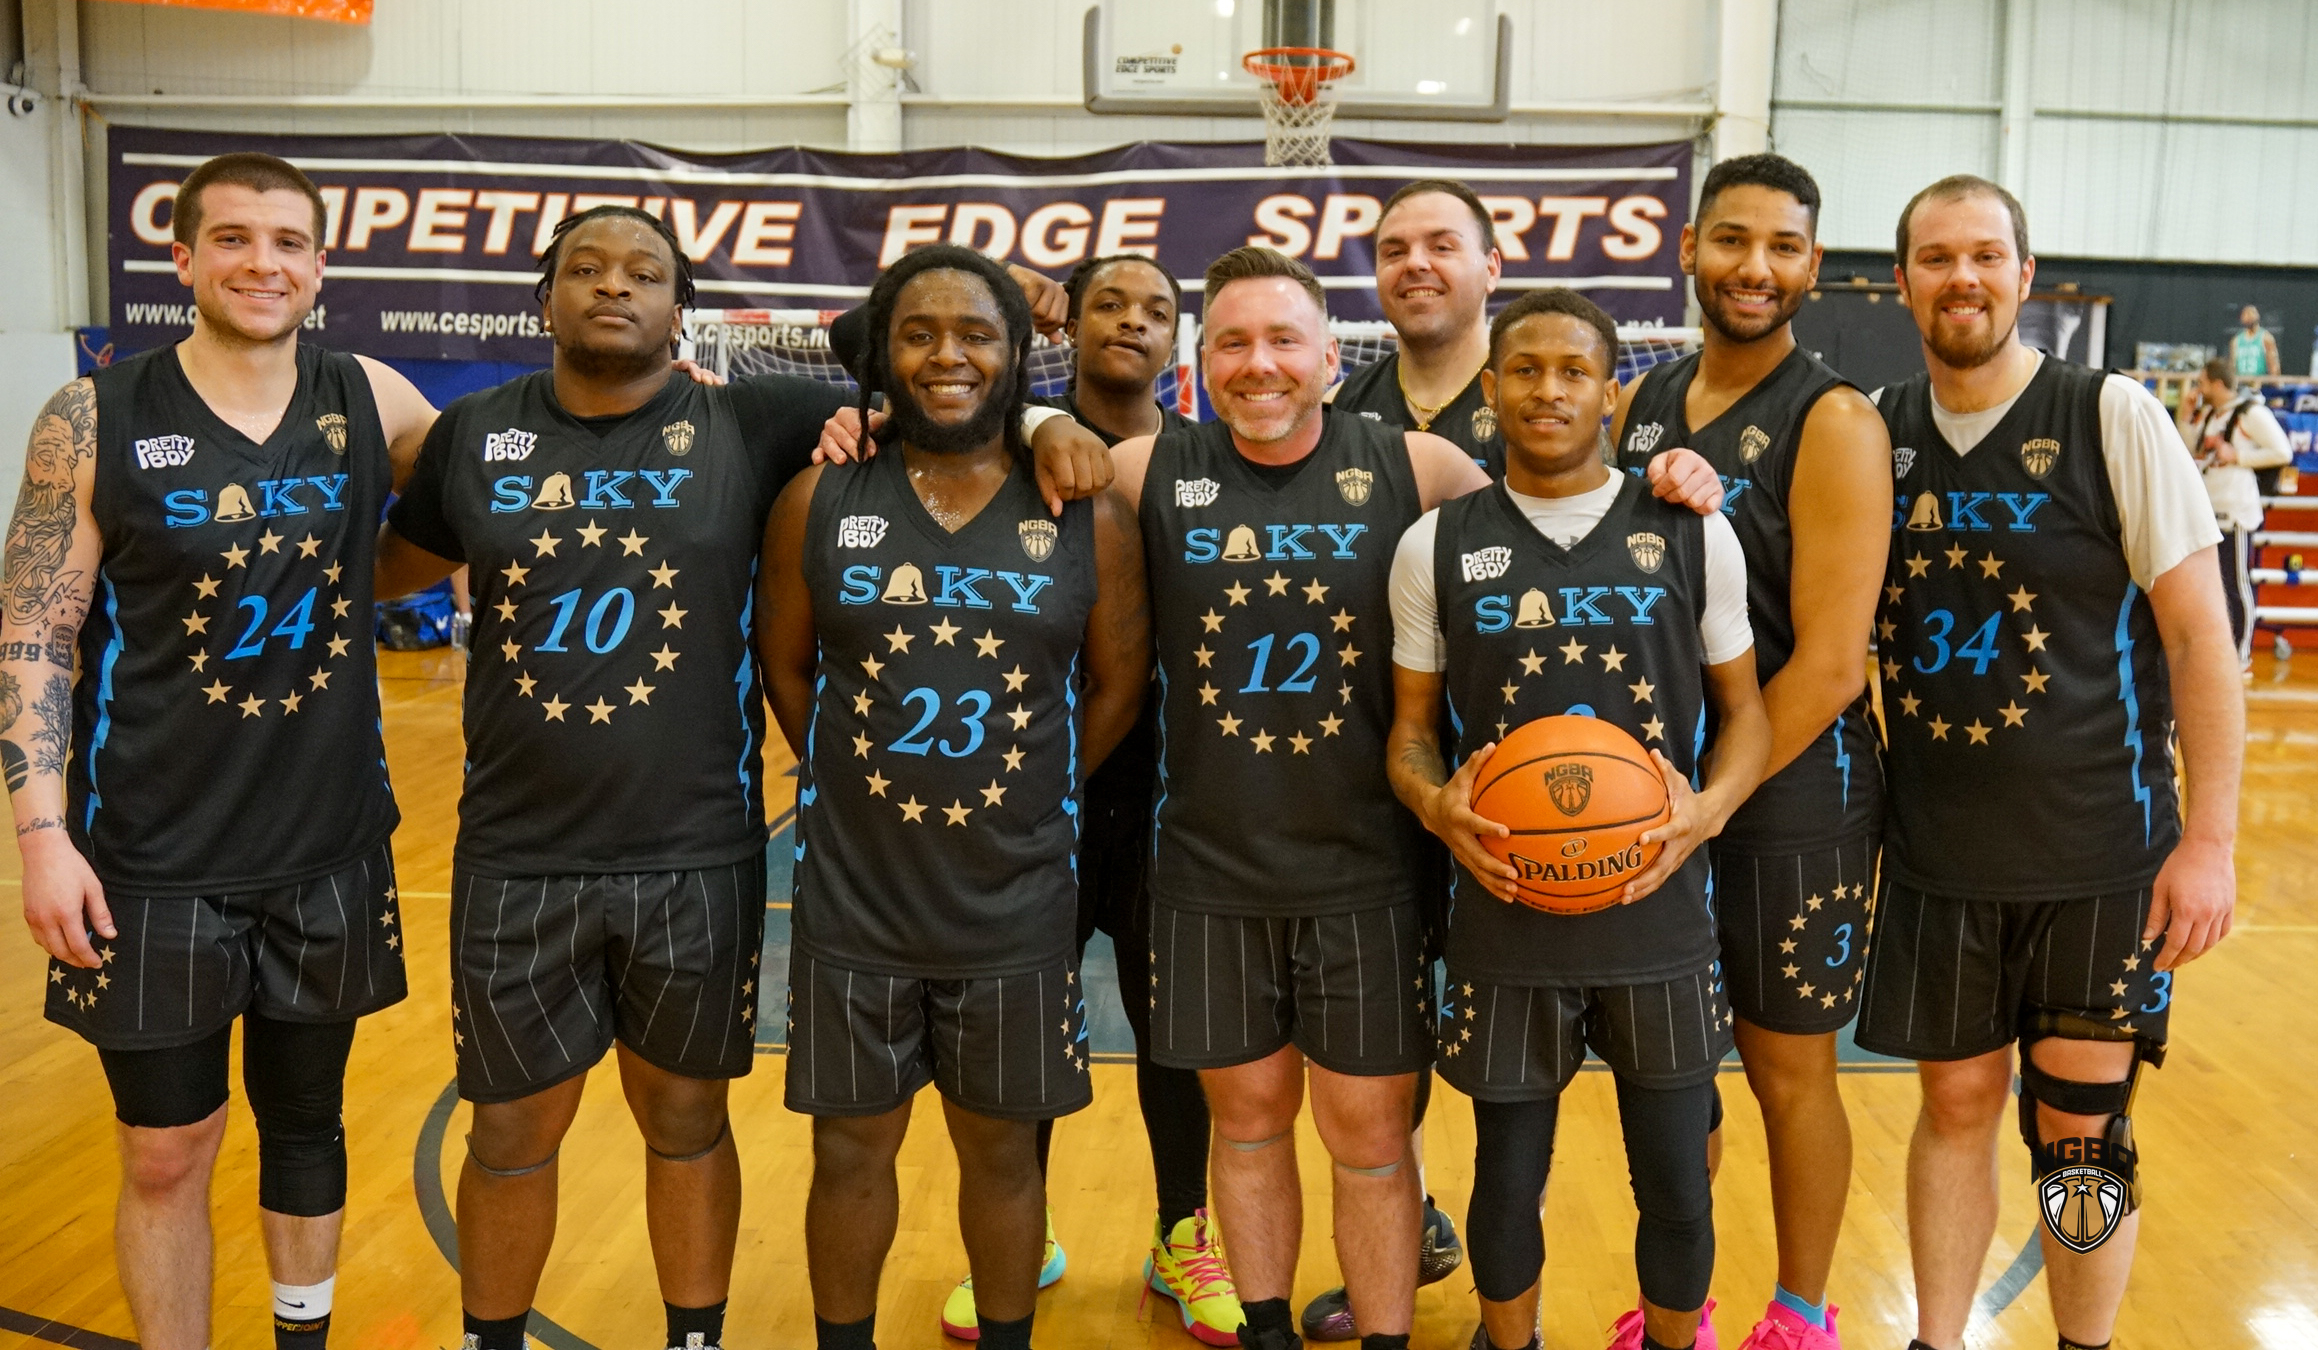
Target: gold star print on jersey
(537, 616)
(301, 614)
(937, 798)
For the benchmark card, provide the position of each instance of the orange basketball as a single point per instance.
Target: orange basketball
(1577, 793)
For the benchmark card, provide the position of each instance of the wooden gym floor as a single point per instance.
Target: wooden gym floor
(2229, 1253)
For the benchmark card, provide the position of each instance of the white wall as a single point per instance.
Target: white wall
(2184, 130)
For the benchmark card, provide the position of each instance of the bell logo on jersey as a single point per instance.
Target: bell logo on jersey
(1196, 492)
(1038, 538)
(333, 429)
(1536, 610)
(509, 445)
(233, 503)
(860, 531)
(2037, 456)
(1354, 485)
(1241, 546)
(1903, 461)
(678, 436)
(1486, 564)
(554, 494)
(1752, 443)
(1644, 439)
(1926, 515)
(1484, 423)
(164, 452)
(1648, 550)
(1571, 786)
(908, 586)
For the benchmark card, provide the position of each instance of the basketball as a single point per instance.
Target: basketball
(1577, 794)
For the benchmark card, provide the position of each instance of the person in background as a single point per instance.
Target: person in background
(2253, 349)
(2232, 433)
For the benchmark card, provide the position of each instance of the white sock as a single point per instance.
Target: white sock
(304, 1302)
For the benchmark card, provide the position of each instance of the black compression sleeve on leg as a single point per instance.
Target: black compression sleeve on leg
(1045, 1144)
(1665, 1131)
(163, 1089)
(1513, 1148)
(1174, 1105)
(295, 1074)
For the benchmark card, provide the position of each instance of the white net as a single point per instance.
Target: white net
(737, 342)
(1297, 132)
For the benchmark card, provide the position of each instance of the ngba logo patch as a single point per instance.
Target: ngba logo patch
(1486, 564)
(509, 445)
(860, 531)
(163, 452)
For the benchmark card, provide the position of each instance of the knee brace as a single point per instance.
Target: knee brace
(723, 1127)
(2113, 1151)
(488, 1170)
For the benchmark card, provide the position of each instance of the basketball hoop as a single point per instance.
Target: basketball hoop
(1298, 104)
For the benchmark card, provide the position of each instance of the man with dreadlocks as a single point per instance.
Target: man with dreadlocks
(948, 662)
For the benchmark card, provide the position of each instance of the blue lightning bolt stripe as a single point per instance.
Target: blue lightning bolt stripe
(2132, 702)
(1070, 778)
(104, 727)
(1843, 761)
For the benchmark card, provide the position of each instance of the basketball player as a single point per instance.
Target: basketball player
(2234, 437)
(934, 943)
(1436, 265)
(2052, 613)
(1285, 880)
(1804, 463)
(1652, 602)
(195, 526)
(2253, 349)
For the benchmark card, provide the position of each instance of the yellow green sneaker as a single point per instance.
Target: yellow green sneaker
(958, 1309)
(1187, 1266)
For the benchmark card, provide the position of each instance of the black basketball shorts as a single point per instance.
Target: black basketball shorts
(1520, 1043)
(1794, 934)
(1012, 1047)
(1950, 979)
(325, 950)
(547, 971)
(1352, 991)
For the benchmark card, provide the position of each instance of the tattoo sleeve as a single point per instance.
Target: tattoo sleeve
(52, 725)
(36, 592)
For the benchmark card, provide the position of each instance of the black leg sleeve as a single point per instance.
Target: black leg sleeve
(295, 1075)
(1174, 1105)
(1513, 1148)
(1665, 1133)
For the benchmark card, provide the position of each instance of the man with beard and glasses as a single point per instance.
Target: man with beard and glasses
(1286, 879)
(2052, 618)
(1803, 463)
(203, 810)
(934, 941)
(1436, 265)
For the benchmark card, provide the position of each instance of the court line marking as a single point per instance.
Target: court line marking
(59, 1333)
(2010, 1284)
(435, 1211)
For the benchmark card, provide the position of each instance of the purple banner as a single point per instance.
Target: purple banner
(432, 239)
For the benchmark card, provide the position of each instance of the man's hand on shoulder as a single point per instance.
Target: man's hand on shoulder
(1070, 461)
(1683, 476)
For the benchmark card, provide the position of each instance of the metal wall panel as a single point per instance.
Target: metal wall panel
(1869, 164)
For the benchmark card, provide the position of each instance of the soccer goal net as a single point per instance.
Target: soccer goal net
(737, 342)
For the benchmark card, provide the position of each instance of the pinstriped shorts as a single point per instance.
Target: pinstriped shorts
(325, 950)
(1351, 991)
(1521, 1043)
(1794, 934)
(546, 972)
(1011, 1047)
(1951, 979)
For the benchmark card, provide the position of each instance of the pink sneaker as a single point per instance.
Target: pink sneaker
(1626, 1332)
(1782, 1328)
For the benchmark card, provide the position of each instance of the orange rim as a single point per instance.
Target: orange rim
(1299, 73)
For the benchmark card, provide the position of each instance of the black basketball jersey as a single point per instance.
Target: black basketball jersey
(1272, 622)
(1467, 421)
(1608, 629)
(937, 796)
(1833, 790)
(1125, 775)
(614, 718)
(225, 718)
(2024, 684)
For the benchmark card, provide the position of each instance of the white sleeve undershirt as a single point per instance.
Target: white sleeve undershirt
(2161, 500)
(1417, 643)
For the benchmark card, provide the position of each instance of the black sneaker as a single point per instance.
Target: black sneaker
(1440, 1252)
(1329, 1317)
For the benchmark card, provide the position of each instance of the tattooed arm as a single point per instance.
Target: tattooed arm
(50, 573)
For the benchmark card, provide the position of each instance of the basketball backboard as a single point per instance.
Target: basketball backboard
(1445, 60)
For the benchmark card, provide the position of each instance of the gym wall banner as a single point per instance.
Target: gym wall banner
(432, 239)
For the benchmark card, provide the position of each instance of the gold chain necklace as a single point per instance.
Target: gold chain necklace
(1424, 414)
